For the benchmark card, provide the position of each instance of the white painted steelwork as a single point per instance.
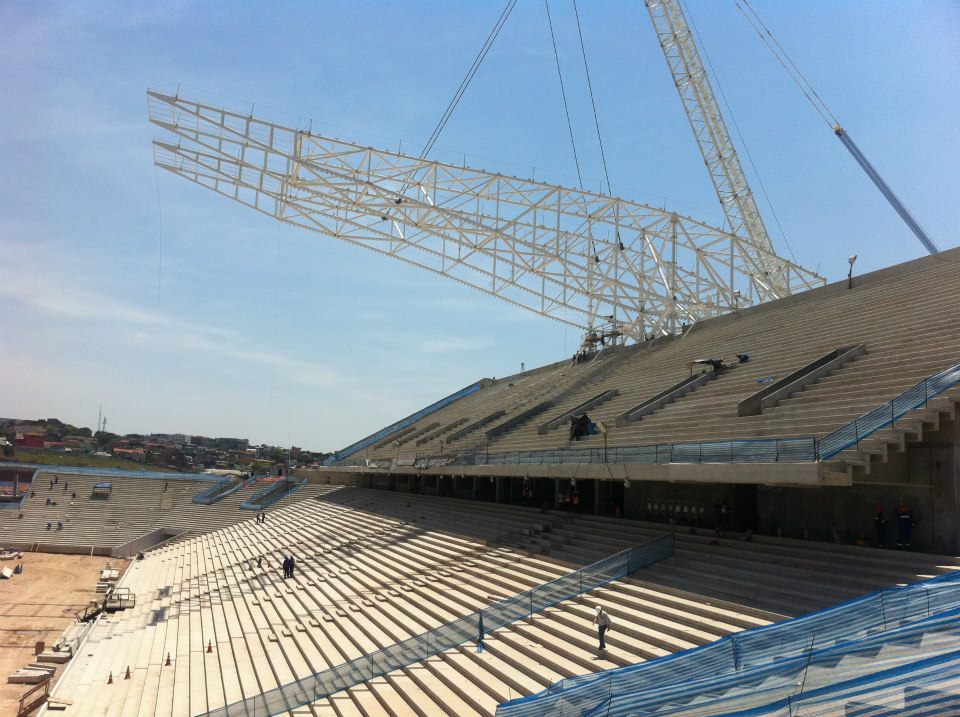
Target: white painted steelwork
(581, 258)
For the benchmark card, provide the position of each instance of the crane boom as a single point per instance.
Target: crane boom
(716, 146)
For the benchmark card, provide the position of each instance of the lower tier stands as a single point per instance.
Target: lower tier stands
(215, 622)
(133, 507)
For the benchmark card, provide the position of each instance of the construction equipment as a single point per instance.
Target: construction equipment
(574, 256)
(716, 146)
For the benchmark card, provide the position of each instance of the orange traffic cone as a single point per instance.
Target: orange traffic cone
(209, 645)
(127, 676)
(167, 663)
(110, 679)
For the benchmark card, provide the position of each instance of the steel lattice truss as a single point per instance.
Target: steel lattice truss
(713, 138)
(574, 256)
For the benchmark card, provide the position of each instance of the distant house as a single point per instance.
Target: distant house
(133, 454)
(30, 440)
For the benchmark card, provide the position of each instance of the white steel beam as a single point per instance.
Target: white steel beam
(573, 256)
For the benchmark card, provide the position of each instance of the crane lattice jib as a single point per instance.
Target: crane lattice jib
(719, 154)
(573, 256)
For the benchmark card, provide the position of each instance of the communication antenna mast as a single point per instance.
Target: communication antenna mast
(716, 146)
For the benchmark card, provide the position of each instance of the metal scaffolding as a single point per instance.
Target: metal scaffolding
(581, 258)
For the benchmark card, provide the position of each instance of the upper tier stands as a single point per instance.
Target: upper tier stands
(375, 567)
(906, 340)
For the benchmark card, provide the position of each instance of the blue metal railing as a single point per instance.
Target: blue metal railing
(206, 496)
(213, 494)
(772, 450)
(739, 656)
(108, 472)
(271, 494)
(448, 636)
(885, 415)
(402, 423)
(17, 504)
(775, 450)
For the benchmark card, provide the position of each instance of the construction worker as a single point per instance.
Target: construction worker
(880, 524)
(904, 527)
(603, 623)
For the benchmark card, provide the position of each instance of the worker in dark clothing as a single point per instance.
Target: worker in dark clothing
(286, 567)
(721, 514)
(259, 560)
(904, 527)
(743, 358)
(880, 524)
(293, 565)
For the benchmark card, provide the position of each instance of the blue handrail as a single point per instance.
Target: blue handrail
(770, 450)
(889, 609)
(271, 493)
(885, 415)
(402, 423)
(465, 629)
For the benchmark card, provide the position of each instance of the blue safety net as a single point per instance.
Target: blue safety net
(470, 628)
(768, 667)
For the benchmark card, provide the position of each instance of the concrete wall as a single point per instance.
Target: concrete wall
(320, 476)
(926, 479)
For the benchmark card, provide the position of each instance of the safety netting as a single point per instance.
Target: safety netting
(864, 653)
(470, 628)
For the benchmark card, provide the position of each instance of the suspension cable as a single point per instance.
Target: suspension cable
(477, 61)
(768, 39)
(563, 92)
(593, 104)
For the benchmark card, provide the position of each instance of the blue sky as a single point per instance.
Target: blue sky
(177, 310)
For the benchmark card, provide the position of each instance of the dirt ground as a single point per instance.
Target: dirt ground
(38, 605)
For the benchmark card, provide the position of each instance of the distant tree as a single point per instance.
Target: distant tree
(105, 437)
